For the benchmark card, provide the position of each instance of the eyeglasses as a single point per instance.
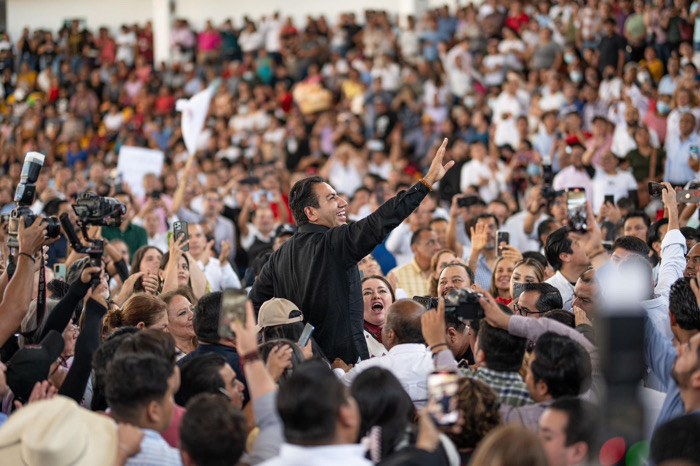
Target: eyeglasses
(523, 311)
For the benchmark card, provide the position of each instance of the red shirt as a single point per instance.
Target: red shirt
(516, 22)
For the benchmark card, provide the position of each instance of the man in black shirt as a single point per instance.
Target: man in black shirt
(317, 268)
(612, 49)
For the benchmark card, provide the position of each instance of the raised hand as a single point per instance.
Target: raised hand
(479, 237)
(437, 170)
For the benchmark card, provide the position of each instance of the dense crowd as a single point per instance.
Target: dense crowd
(347, 166)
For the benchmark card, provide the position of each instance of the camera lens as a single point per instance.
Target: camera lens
(53, 227)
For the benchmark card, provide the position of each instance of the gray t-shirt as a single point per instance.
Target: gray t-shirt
(544, 55)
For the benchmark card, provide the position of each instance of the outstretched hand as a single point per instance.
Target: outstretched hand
(437, 170)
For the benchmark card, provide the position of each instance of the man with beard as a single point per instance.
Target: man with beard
(317, 268)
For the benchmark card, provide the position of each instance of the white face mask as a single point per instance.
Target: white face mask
(643, 77)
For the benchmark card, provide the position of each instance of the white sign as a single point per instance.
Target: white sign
(135, 162)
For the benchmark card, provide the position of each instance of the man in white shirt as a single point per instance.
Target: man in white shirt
(566, 256)
(683, 152)
(623, 136)
(408, 358)
(219, 273)
(326, 434)
(487, 174)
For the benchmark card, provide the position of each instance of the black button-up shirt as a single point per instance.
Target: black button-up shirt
(317, 270)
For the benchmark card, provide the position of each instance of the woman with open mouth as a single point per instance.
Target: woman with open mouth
(378, 296)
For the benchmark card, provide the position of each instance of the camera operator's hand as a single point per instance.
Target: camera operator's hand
(437, 170)
(32, 238)
(668, 196)
(151, 283)
(493, 314)
(433, 326)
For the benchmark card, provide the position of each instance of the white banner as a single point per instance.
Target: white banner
(135, 162)
(194, 112)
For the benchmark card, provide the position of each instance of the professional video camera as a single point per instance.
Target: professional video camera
(92, 209)
(464, 304)
(24, 198)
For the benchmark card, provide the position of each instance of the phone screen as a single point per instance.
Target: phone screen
(576, 207)
(609, 198)
(442, 398)
(305, 335)
(232, 309)
(501, 237)
(59, 271)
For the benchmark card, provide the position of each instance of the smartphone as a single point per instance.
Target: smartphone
(467, 201)
(155, 194)
(501, 237)
(442, 397)
(180, 229)
(305, 335)
(577, 210)
(232, 309)
(59, 271)
(609, 198)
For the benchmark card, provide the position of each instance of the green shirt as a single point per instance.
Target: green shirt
(641, 165)
(134, 237)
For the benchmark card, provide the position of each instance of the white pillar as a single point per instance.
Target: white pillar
(162, 23)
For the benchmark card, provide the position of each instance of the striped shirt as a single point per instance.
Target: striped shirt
(509, 386)
(155, 451)
(412, 280)
(482, 274)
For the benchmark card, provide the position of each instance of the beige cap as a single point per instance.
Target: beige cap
(276, 311)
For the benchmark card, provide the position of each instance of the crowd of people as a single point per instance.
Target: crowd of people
(354, 174)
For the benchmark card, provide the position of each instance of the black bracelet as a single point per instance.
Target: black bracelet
(28, 255)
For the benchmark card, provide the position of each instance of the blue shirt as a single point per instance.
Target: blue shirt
(677, 155)
(155, 451)
(482, 274)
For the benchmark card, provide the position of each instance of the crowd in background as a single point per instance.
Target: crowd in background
(533, 98)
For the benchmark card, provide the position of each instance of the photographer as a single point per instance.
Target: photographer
(133, 235)
(18, 293)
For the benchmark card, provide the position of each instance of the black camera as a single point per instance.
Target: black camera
(655, 189)
(92, 209)
(24, 197)
(548, 192)
(463, 303)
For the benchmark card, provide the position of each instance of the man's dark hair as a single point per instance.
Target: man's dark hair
(502, 351)
(654, 231)
(545, 229)
(486, 217)
(100, 362)
(403, 318)
(206, 318)
(134, 380)
(637, 214)
(678, 439)
(298, 393)
(200, 374)
(582, 421)
(690, 233)
(470, 272)
(52, 207)
(562, 316)
(415, 237)
(549, 299)
(561, 363)
(558, 242)
(151, 341)
(683, 305)
(58, 288)
(212, 431)
(536, 256)
(301, 196)
(632, 244)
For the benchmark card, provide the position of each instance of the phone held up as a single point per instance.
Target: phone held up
(180, 229)
(501, 237)
(577, 209)
(232, 310)
(442, 398)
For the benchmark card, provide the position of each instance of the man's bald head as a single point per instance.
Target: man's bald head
(403, 320)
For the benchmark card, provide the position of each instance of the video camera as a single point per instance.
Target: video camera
(464, 304)
(95, 210)
(24, 198)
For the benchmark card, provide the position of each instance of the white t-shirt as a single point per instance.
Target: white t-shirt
(617, 185)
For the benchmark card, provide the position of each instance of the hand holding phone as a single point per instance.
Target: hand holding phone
(305, 335)
(501, 237)
(180, 229)
(442, 398)
(577, 209)
(232, 309)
